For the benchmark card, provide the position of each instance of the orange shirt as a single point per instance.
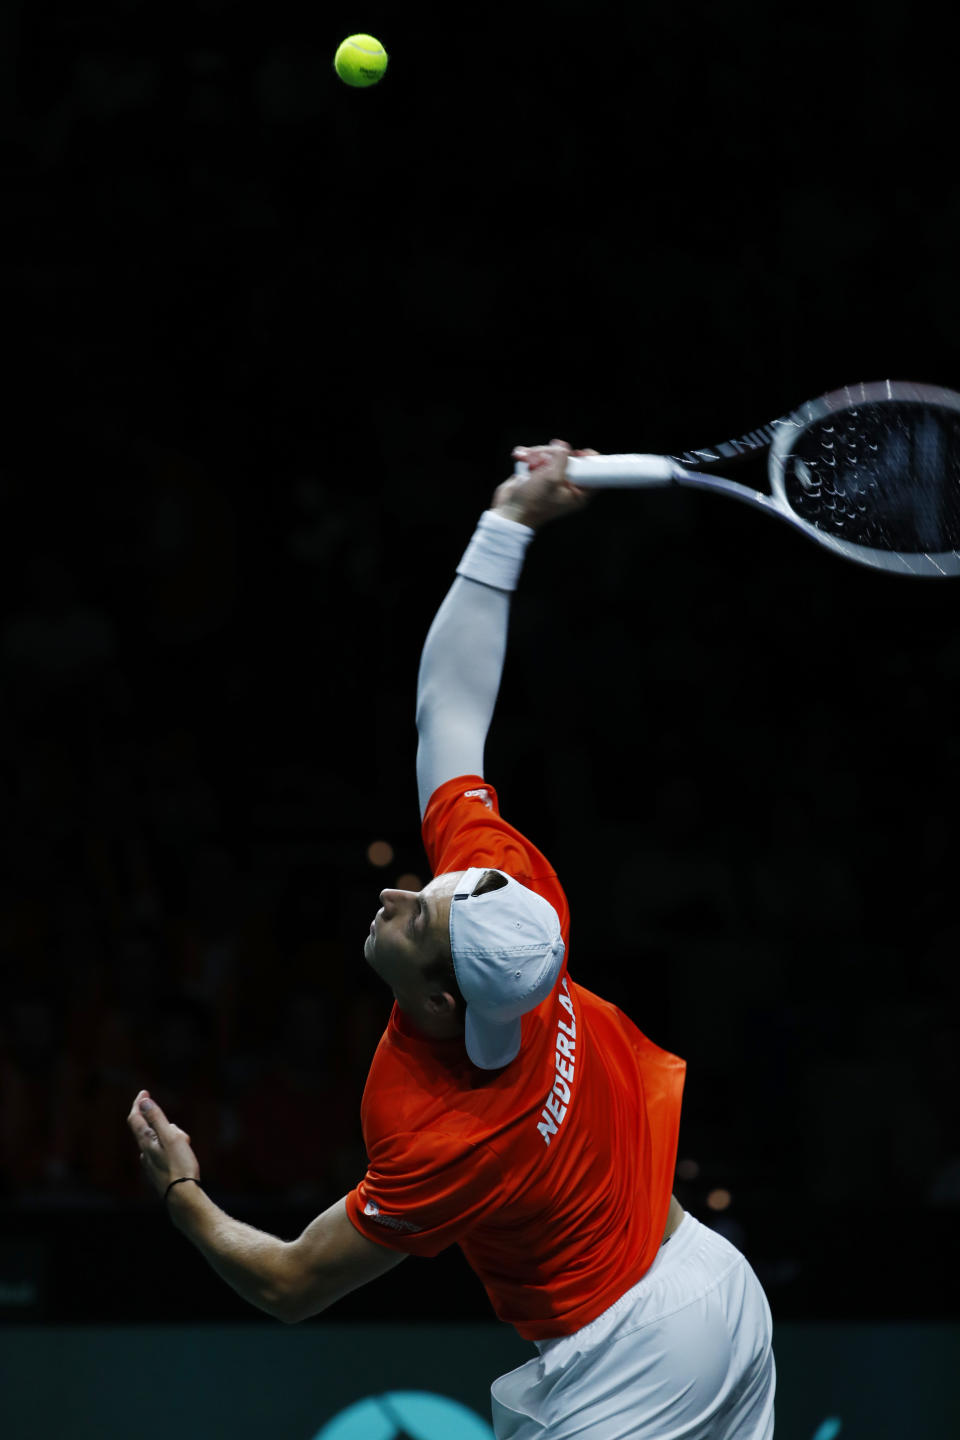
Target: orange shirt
(553, 1175)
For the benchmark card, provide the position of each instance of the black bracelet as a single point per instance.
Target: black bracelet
(181, 1181)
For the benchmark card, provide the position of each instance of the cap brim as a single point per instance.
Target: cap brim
(491, 1046)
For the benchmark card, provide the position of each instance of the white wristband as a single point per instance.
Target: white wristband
(496, 551)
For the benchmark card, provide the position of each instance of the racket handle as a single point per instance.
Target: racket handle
(616, 471)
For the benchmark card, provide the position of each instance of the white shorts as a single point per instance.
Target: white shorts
(685, 1354)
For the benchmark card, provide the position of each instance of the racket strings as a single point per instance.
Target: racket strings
(885, 476)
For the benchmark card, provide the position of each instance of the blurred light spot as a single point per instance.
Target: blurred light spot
(719, 1199)
(409, 881)
(829, 1429)
(380, 853)
(688, 1169)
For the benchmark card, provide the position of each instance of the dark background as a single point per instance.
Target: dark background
(270, 342)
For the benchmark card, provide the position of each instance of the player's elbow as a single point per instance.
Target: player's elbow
(442, 704)
(285, 1309)
(296, 1306)
(280, 1306)
(429, 700)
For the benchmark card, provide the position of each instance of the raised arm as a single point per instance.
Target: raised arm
(462, 661)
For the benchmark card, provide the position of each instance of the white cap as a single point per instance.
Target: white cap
(507, 956)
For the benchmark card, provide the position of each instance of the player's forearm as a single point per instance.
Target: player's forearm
(463, 656)
(250, 1261)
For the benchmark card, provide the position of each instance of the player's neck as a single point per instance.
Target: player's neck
(433, 1027)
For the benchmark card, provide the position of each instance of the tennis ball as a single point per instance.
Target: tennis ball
(360, 60)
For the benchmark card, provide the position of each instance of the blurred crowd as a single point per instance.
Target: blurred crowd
(177, 890)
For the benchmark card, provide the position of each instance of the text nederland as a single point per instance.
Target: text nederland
(559, 1098)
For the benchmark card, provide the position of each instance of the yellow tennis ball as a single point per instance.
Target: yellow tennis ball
(360, 60)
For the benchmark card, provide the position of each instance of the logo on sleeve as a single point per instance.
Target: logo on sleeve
(391, 1221)
(483, 795)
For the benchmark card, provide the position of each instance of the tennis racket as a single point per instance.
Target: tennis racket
(872, 471)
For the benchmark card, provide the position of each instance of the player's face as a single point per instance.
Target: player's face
(410, 929)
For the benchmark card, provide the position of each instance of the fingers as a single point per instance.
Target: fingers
(550, 458)
(148, 1122)
(537, 456)
(521, 450)
(155, 1118)
(136, 1120)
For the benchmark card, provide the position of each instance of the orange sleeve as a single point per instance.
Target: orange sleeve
(423, 1192)
(462, 826)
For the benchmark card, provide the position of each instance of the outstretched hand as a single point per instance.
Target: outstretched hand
(545, 492)
(165, 1152)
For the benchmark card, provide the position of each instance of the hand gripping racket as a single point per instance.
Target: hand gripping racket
(872, 471)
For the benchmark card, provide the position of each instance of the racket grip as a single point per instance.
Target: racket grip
(616, 471)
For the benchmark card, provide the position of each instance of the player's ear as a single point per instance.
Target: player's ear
(441, 1003)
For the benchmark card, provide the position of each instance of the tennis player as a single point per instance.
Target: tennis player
(508, 1110)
